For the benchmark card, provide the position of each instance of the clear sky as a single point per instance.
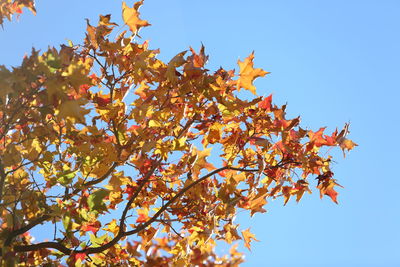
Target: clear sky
(331, 61)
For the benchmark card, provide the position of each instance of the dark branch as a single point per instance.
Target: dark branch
(134, 196)
(38, 246)
(141, 227)
(26, 228)
(2, 179)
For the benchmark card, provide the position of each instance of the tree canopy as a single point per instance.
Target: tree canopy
(134, 161)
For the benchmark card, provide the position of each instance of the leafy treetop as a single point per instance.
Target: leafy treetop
(111, 146)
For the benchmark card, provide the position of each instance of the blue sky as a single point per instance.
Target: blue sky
(331, 61)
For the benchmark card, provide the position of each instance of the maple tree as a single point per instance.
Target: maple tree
(112, 148)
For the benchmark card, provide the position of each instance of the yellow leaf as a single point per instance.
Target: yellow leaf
(116, 181)
(112, 227)
(55, 88)
(76, 73)
(179, 144)
(154, 123)
(248, 74)
(34, 149)
(131, 17)
(231, 233)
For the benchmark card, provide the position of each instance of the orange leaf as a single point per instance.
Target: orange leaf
(346, 144)
(332, 194)
(317, 138)
(143, 215)
(248, 74)
(131, 17)
(326, 186)
(248, 236)
(198, 60)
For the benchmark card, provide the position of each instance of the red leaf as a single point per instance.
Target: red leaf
(266, 103)
(16, 8)
(93, 227)
(103, 101)
(80, 256)
(332, 194)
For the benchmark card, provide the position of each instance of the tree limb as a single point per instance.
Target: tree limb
(141, 227)
(2, 180)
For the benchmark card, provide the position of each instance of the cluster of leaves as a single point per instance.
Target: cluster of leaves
(112, 147)
(10, 7)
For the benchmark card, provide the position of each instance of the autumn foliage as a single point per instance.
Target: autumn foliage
(8, 8)
(128, 160)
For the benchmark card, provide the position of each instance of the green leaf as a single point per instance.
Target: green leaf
(96, 200)
(53, 62)
(66, 176)
(67, 222)
(97, 241)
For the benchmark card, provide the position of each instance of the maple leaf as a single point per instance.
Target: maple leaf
(91, 35)
(231, 233)
(112, 227)
(96, 200)
(195, 63)
(201, 162)
(248, 74)
(103, 100)
(79, 256)
(326, 186)
(73, 109)
(347, 144)
(131, 17)
(175, 62)
(342, 141)
(143, 215)
(198, 60)
(93, 227)
(316, 138)
(248, 237)
(266, 103)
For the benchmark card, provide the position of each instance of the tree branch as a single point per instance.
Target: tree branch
(96, 181)
(173, 199)
(2, 179)
(38, 246)
(141, 227)
(26, 228)
(46, 217)
(134, 196)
